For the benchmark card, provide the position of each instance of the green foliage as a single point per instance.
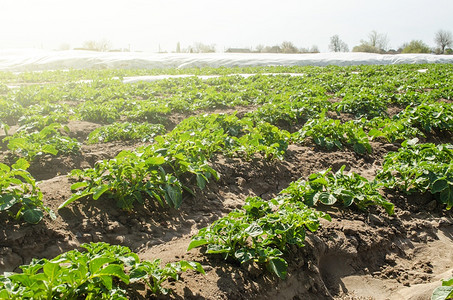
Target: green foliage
(20, 197)
(124, 132)
(262, 138)
(156, 171)
(416, 46)
(260, 232)
(10, 112)
(421, 168)
(48, 140)
(154, 275)
(38, 116)
(93, 112)
(296, 110)
(102, 271)
(445, 291)
(328, 133)
(429, 117)
(396, 129)
(329, 188)
(363, 103)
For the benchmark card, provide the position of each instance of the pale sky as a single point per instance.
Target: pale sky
(147, 24)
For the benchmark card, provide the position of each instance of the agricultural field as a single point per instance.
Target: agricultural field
(250, 183)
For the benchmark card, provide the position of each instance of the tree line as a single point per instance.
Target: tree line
(375, 43)
(378, 43)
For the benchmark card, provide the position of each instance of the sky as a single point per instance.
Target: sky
(150, 25)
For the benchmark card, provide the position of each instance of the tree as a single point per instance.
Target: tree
(288, 47)
(378, 40)
(377, 43)
(259, 48)
(416, 46)
(337, 45)
(273, 49)
(314, 49)
(202, 48)
(443, 40)
(101, 45)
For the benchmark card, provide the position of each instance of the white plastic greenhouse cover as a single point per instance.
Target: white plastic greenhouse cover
(37, 60)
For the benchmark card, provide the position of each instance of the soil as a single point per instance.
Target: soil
(358, 255)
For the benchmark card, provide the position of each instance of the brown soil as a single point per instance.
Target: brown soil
(359, 255)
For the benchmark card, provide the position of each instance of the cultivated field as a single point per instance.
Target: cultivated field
(284, 183)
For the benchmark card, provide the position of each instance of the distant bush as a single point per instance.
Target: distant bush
(366, 48)
(416, 46)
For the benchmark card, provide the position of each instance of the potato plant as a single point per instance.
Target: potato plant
(420, 168)
(20, 197)
(445, 291)
(101, 271)
(126, 131)
(328, 188)
(48, 140)
(260, 232)
(329, 134)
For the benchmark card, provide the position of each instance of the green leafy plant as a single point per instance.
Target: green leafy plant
(328, 133)
(20, 197)
(154, 275)
(259, 232)
(420, 168)
(329, 188)
(48, 140)
(429, 116)
(445, 291)
(133, 176)
(124, 132)
(102, 271)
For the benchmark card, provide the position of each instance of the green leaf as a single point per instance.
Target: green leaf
(375, 133)
(78, 185)
(446, 195)
(107, 281)
(439, 185)
(278, 266)
(155, 160)
(175, 195)
(197, 243)
(244, 254)
(442, 293)
(96, 263)
(7, 201)
(99, 190)
(254, 230)
(74, 197)
(201, 181)
(327, 198)
(137, 274)
(113, 270)
(49, 149)
(33, 215)
(447, 282)
(22, 164)
(359, 148)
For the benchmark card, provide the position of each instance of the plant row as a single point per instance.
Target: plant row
(101, 271)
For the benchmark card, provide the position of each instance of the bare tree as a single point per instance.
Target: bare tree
(259, 48)
(288, 47)
(443, 40)
(101, 45)
(377, 40)
(314, 49)
(337, 45)
(202, 48)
